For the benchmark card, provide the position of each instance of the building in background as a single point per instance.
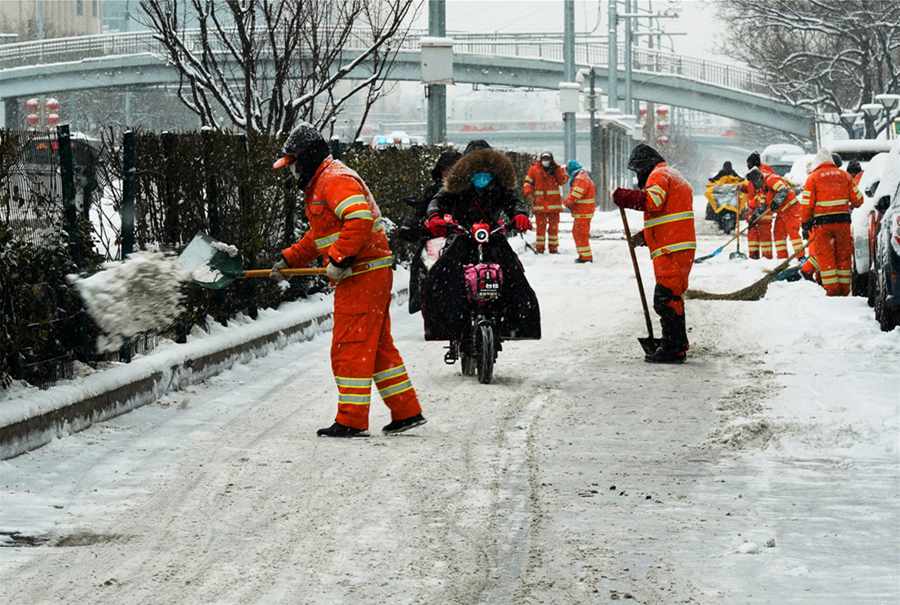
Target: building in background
(37, 19)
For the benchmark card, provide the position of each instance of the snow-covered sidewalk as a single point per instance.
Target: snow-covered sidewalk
(763, 471)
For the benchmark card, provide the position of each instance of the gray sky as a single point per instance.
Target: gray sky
(697, 18)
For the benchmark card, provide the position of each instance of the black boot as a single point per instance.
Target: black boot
(670, 349)
(398, 426)
(665, 353)
(580, 260)
(679, 333)
(339, 430)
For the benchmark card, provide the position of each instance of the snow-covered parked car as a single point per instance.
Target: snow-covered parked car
(865, 220)
(860, 150)
(781, 156)
(885, 276)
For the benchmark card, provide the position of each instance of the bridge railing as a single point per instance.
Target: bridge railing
(589, 50)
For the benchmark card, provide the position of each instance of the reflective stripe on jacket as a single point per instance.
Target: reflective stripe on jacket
(544, 186)
(829, 192)
(344, 222)
(669, 212)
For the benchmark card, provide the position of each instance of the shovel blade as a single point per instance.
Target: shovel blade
(737, 256)
(649, 344)
(209, 263)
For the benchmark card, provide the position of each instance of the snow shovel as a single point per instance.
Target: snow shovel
(649, 344)
(214, 265)
(737, 254)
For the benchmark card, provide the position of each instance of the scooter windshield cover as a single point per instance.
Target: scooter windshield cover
(482, 179)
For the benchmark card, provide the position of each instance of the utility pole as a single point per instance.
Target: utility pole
(569, 74)
(595, 128)
(629, 41)
(612, 89)
(437, 93)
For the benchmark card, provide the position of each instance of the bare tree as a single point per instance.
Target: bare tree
(261, 65)
(830, 55)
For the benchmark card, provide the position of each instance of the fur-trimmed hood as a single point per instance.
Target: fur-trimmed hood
(482, 160)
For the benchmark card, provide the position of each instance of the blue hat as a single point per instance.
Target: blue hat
(572, 167)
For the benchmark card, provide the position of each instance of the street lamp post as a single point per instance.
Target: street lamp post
(890, 102)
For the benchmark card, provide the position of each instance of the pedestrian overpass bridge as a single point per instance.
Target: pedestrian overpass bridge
(519, 60)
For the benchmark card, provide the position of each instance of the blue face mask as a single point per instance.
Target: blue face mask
(481, 179)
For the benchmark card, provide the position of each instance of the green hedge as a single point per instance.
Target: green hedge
(188, 182)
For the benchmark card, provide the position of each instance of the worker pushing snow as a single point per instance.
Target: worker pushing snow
(345, 229)
(666, 199)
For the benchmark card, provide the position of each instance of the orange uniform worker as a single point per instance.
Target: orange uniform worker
(542, 188)
(667, 201)
(828, 197)
(345, 229)
(759, 233)
(582, 202)
(782, 200)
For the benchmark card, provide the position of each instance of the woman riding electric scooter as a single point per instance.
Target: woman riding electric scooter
(480, 191)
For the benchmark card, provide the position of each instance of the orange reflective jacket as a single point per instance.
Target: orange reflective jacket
(582, 196)
(774, 183)
(669, 212)
(344, 222)
(829, 192)
(544, 186)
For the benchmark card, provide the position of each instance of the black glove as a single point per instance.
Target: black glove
(637, 240)
(806, 228)
(761, 210)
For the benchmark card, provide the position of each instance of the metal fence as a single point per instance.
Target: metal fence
(589, 50)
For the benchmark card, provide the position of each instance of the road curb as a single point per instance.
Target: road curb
(40, 429)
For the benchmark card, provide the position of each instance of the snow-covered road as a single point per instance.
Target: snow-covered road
(582, 475)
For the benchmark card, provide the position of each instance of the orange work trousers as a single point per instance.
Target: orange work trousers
(581, 232)
(363, 351)
(787, 226)
(832, 247)
(759, 239)
(672, 272)
(547, 232)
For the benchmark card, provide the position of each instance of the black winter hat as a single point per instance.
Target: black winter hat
(304, 149)
(642, 161)
(837, 159)
(753, 160)
(476, 144)
(854, 167)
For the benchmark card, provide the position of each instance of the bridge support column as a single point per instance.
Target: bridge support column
(612, 54)
(10, 117)
(437, 114)
(436, 132)
(569, 74)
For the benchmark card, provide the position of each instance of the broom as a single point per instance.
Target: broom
(754, 291)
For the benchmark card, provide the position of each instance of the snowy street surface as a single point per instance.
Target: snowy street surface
(765, 470)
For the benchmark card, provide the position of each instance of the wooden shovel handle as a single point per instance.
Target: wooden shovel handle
(265, 273)
(637, 273)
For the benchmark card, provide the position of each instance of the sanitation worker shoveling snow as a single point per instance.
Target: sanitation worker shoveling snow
(345, 228)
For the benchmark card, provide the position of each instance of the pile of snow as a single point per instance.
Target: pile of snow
(228, 249)
(141, 294)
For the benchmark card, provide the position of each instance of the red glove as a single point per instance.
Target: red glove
(521, 222)
(629, 198)
(436, 226)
